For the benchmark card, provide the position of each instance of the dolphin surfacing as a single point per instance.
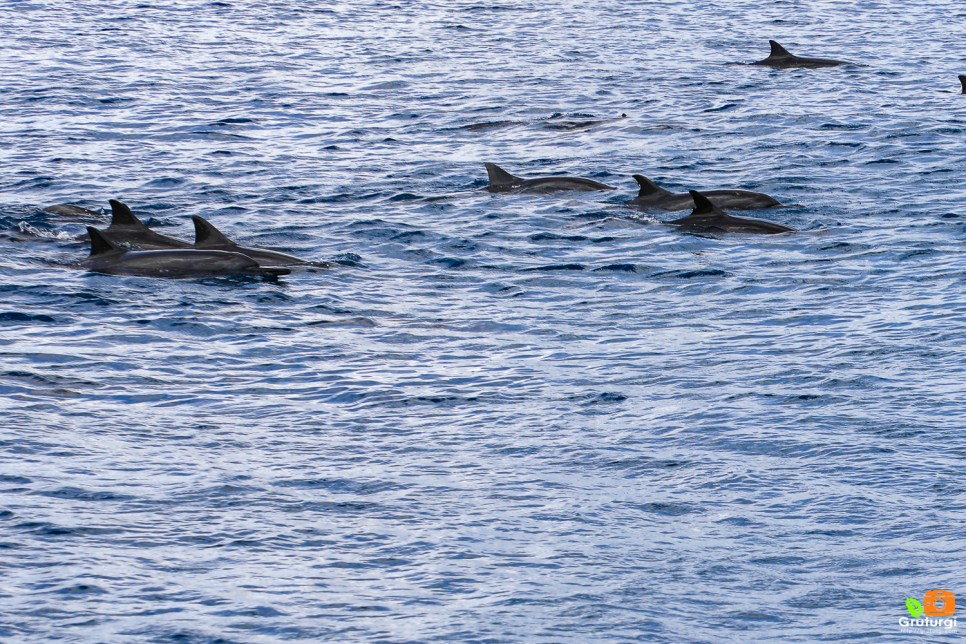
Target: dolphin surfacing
(706, 217)
(503, 181)
(108, 257)
(782, 58)
(207, 237)
(70, 210)
(962, 81)
(127, 230)
(653, 197)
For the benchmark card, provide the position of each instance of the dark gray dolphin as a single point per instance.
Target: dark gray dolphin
(108, 257)
(70, 210)
(127, 230)
(208, 237)
(653, 197)
(781, 57)
(503, 181)
(553, 124)
(962, 81)
(706, 217)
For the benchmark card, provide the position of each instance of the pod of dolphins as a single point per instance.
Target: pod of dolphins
(129, 247)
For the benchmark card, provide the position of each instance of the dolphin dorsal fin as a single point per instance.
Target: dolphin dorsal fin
(648, 187)
(777, 51)
(99, 243)
(702, 205)
(207, 236)
(500, 177)
(121, 215)
(962, 81)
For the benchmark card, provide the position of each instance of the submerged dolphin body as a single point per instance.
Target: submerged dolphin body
(654, 197)
(568, 125)
(127, 230)
(503, 181)
(706, 217)
(781, 57)
(207, 237)
(108, 257)
(70, 210)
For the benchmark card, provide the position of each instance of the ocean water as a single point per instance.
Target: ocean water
(501, 417)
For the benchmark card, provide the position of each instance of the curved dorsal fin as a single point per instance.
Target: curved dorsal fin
(207, 236)
(648, 187)
(702, 205)
(500, 177)
(99, 243)
(962, 80)
(777, 51)
(121, 215)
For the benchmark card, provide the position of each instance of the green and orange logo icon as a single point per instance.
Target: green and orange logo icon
(936, 603)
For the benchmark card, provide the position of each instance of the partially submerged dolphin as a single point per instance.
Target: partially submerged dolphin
(781, 57)
(208, 237)
(127, 230)
(70, 210)
(108, 257)
(653, 197)
(962, 81)
(503, 181)
(554, 124)
(706, 217)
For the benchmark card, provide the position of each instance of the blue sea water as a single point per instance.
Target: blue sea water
(502, 417)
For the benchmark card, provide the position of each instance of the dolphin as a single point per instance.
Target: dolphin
(207, 237)
(127, 230)
(962, 81)
(70, 210)
(108, 257)
(654, 197)
(503, 181)
(553, 124)
(706, 217)
(781, 57)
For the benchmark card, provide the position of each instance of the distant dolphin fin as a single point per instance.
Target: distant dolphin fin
(648, 187)
(777, 51)
(962, 80)
(500, 177)
(121, 215)
(207, 236)
(702, 204)
(99, 243)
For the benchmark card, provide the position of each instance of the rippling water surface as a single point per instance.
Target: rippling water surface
(501, 417)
